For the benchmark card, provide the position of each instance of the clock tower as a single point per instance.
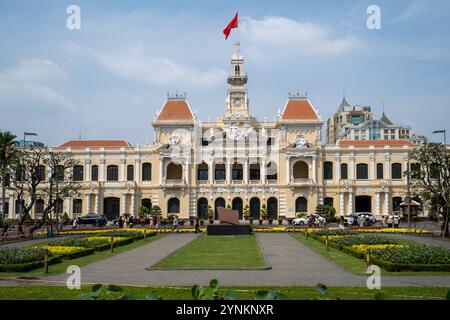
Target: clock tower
(237, 99)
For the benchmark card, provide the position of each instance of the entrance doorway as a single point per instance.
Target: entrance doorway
(111, 208)
(363, 204)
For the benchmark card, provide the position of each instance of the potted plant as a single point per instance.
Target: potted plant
(263, 214)
(246, 213)
(280, 221)
(202, 222)
(144, 213)
(210, 212)
(229, 207)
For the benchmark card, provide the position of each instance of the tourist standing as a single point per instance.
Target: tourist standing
(383, 221)
(390, 221)
(175, 225)
(125, 222)
(75, 223)
(396, 222)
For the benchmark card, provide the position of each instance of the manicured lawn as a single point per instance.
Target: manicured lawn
(184, 293)
(62, 267)
(353, 264)
(216, 252)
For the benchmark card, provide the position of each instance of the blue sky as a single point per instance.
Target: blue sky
(110, 77)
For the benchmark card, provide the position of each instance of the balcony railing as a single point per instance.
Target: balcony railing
(173, 182)
(203, 182)
(301, 181)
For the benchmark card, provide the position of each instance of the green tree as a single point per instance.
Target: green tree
(263, 212)
(8, 145)
(431, 180)
(210, 213)
(144, 212)
(156, 211)
(246, 212)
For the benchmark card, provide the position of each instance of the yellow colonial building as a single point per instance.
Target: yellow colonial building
(240, 160)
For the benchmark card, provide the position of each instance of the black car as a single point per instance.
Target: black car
(97, 220)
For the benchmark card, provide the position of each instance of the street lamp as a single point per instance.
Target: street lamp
(446, 164)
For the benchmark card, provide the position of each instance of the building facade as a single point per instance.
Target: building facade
(238, 161)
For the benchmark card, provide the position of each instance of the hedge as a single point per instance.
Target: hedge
(22, 267)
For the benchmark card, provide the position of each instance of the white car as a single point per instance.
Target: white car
(361, 216)
(304, 220)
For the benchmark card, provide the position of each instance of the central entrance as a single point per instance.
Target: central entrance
(111, 208)
(363, 204)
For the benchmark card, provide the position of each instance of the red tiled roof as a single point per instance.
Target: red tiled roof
(365, 143)
(299, 109)
(175, 109)
(95, 144)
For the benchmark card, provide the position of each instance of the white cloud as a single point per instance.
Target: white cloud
(139, 65)
(416, 8)
(281, 35)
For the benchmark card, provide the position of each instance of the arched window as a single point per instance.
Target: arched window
(202, 172)
(396, 204)
(77, 206)
(300, 170)
(40, 172)
(344, 171)
(272, 171)
(78, 173)
(220, 202)
(255, 208)
(396, 171)
(328, 170)
(301, 205)
(112, 173)
(94, 173)
(380, 171)
(174, 171)
(272, 208)
(254, 171)
(173, 206)
(328, 201)
(130, 172)
(238, 205)
(147, 172)
(39, 206)
(237, 172)
(362, 171)
(146, 203)
(202, 208)
(219, 172)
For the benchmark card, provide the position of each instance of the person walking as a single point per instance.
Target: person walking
(75, 223)
(175, 225)
(396, 222)
(120, 222)
(383, 221)
(390, 221)
(125, 223)
(157, 224)
(197, 225)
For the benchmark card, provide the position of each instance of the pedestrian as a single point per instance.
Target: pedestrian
(383, 221)
(120, 222)
(125, 223)
(175, 225)
(157, 223)
(131, 221)
(396, 222)
(75, 223)
(342, 222)
(390, 221)
(355, 221)
(151, 223)
(197, 225)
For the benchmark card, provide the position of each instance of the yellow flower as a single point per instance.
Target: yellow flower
(363, 248)
(108, 239)
(394, 230)
(63, 249)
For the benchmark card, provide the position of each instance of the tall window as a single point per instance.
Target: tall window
(362, 171)
(173, 206)
(59, 206)
(415, 170)
(396, 171)
(219, 173)
(328, 201)
(78, 173)
(59, 173)
(379, 171)
(40, 172)
(301, 205)
(7, 180)
(94, 173)
(328, 170)
(130, 172)
(147, 172)
(112, 173)
(77, 206)
(344, 171)
(20, 206)
(39, 206)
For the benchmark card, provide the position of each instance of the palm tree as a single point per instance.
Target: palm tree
(7, 145)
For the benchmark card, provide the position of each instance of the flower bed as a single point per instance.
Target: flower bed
(23, 259)
(368, 240)
(364, 248)
(392, 230)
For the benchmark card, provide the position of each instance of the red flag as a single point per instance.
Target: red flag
(233, 24)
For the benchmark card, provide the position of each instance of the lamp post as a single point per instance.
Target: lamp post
(446, 165)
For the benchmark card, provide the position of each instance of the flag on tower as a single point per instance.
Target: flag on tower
(232, 25)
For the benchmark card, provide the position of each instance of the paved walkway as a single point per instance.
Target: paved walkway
(292, 264)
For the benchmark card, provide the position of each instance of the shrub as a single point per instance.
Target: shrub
(20, 255)
(79, 242)
(415, 255)
(333, 232)
(371, 240)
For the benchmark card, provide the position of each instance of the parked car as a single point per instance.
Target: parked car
(304, 220)
(98, 220)
(361, 216)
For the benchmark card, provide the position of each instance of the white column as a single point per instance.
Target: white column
(68, 202)
(88, 170)
(228, 170)
(96, 209)
(124, 203)
(101, 174)
(122, 170)
(314, 169)
(211, 172)
(132, 204)
(341, 204)
(262, 167)
(161, 169)
(137, 170)
(246, 166)
(88, 202)
(387, 166)
(372, 167)
(187, 167)
(377, 202)
(337, 173)
(405, 166)
(11, 206)
(386, 203)
(350, 203)
(351, 172)
(288, 170)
